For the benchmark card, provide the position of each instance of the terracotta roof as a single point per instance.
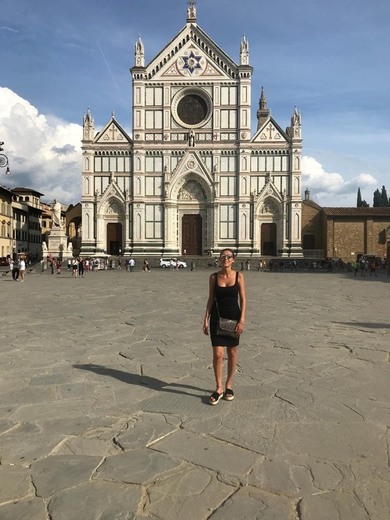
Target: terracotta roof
(357, 212)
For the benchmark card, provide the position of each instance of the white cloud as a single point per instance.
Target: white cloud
(43, 151)
(330, 188)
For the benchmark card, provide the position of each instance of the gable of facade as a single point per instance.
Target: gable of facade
(192, 176)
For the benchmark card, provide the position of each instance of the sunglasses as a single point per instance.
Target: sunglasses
(226, 257)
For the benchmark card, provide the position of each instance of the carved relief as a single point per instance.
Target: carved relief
(270, 207)
(191, 191)
(114, 208)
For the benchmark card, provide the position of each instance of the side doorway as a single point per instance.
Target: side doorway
(192, 234)
(114, 239)
(268, 239)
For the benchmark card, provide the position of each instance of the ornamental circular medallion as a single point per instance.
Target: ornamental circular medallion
(191, 63)
(191, 107)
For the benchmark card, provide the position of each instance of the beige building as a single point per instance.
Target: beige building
(5, 222)
(27, 211)
(193, 176)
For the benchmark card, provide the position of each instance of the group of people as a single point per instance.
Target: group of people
(18, 269)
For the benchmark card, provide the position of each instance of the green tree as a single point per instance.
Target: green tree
(361, 203)
(377, 199)
(384, 197)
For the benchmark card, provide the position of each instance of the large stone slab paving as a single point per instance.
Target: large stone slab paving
(15, 482)
(136, 467)
(190, 492)
(208, 452)
(55, 473)
(31, 508)
(144, 429)
(335, 504)
(253, 504)
(118, 369)
(96, 500)
(344, 442)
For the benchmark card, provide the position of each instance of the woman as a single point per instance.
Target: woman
(227, 287)
(22, 268)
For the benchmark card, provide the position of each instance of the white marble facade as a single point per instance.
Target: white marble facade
(193, 175)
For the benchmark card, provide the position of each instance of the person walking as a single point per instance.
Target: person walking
(146, 267)
(227, 298)
(131, 265)
(22, 268)
(81, 267)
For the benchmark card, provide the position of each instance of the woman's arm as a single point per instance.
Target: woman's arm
(242, 295)
(209, 305)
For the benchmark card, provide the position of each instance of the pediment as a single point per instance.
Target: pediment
(270, 132)
(269, 192)
(191, 162)
(112, 197)
(112, 133)
(191, 54)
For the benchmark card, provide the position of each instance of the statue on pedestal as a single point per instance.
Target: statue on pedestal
(56, 214)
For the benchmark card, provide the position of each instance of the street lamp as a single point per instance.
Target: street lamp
(4, 160)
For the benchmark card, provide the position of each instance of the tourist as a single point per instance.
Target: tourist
(81, 267)
(131, 265)
(228, 299)
(22, 268)
(58, 266)
(74, 267)
(146, 267)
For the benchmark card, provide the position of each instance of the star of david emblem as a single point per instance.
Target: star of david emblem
(191, 62)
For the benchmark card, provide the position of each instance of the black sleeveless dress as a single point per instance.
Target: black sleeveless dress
(227, 298)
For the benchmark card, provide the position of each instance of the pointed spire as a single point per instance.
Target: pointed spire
(191, 11)
(296, 124)
(139, 53)
(244, 51)
(263, 101)
(88, 125)
(263, 113)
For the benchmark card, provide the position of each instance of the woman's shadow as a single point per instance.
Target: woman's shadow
(137, 379)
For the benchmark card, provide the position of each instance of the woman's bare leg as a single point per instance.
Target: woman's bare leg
(217, 365)
(232, 362)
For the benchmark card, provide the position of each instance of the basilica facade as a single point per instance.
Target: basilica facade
(192, 177)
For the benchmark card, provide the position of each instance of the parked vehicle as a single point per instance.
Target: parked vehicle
(166, 263)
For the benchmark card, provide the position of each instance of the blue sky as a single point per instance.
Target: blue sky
(330, 59)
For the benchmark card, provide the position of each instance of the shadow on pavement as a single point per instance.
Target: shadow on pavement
(136, 379)
(363, 324)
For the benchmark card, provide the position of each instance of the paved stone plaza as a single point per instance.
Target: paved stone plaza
(104, 408)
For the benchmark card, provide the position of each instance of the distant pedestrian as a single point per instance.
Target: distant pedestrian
(146, 267)
(15, 271)
(74, 267)
(22, 268)
(81, 268)
(373, 268)
(131, 265)
(69, 264)
(58, 266)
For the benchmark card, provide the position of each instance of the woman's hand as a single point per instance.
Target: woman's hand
(239, 328)
(206, 327)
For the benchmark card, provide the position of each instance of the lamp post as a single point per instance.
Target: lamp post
(4, 160)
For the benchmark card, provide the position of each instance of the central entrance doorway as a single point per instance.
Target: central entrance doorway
(268, 239)
(192, 234)
(114, 239)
